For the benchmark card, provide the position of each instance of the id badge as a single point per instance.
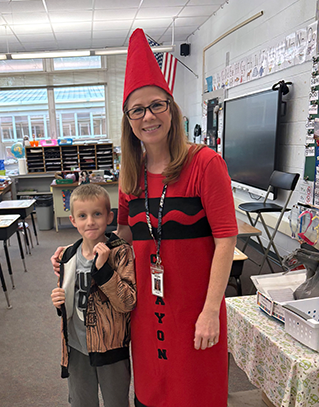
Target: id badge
(157, 273)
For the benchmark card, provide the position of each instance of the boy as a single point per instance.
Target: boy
(96, 293)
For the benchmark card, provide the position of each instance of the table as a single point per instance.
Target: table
(285, 370)
(24, 208)
(237, 269)
(6, 189)
(4, 287)
(61, 197)
(246, 230)
(9, 224)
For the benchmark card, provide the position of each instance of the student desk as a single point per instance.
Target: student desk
(4, 287)
(24, 208)
(285, 370)
(244, 230)
(9, 224)
(237, 269)
(6, 189)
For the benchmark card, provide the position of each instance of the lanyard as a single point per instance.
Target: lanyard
(148, 219)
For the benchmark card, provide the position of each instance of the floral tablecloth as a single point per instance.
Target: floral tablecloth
(286, 370)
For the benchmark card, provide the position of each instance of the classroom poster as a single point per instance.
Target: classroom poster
(301, 46)
(311, 40)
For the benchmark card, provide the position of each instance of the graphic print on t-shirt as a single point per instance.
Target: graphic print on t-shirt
(81, 289)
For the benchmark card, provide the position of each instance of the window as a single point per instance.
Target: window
(77, 63)
(26, 65)
(80, 111)
(24, 113)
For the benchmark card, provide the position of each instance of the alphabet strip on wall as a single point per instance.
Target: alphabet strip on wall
(295, 49)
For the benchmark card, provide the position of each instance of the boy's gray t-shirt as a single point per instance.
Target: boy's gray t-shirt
(76, 327)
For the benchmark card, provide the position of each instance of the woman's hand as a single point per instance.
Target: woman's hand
(55, 260)
(103, 254)
(206, 330)
(207, 325)
(58, 297)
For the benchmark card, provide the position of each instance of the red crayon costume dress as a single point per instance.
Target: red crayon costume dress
(168, 371)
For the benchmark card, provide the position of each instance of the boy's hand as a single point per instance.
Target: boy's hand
(58, 297)
(55, 260)
(103, 254)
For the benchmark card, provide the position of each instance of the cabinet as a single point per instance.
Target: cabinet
(31, 184)
(89, 156)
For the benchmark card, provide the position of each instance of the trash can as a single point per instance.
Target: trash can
(44, 211)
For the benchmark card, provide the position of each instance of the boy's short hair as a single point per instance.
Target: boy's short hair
(87, 192)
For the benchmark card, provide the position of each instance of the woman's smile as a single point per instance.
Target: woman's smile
(150, 129)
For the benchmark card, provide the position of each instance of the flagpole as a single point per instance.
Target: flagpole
(187, 68)
(175, 57)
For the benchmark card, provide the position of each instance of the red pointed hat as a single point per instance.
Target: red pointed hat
(142, 68)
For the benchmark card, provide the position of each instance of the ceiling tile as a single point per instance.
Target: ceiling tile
(71, 27)
(108, 42)
(39, 37)
(26, 18)
(109, 34)
(158, 12)
(152, 23)
(75, 5)
(106, 4)
(113, 21)
(164, 3)
(206, 2)
(74, 43)
(26, 6)
(193, 11)
(69, 16)
(114, 14)
(80, 35)
(30, 28)
(190, 21)
(40, 46)
(111, 25)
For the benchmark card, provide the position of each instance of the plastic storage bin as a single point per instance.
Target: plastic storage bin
(44, 211)
(302, 321)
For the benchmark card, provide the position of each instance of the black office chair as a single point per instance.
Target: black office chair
(280, 180)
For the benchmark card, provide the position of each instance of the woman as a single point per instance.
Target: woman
(176, 206)
(179, 338)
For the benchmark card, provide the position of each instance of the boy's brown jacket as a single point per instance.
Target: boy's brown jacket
(111, 297)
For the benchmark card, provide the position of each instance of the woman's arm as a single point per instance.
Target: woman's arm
(207, 325)
(124, 232)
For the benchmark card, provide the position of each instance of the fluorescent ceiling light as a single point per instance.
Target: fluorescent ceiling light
(79, 53)
(51, 54)
(123, 50)
(111, 51)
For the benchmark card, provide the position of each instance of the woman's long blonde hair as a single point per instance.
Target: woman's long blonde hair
(132, 159)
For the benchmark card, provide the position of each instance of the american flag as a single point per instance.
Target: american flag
(167, 63)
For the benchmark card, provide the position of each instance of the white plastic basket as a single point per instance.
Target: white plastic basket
(302, 321)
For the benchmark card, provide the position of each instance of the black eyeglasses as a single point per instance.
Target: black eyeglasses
(160, 106)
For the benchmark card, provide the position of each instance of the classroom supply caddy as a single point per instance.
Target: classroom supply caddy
(302, 321)
(275, 290)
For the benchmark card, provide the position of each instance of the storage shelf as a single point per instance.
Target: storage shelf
(89, 157)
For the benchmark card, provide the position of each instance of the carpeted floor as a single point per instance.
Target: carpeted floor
(30, 331)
